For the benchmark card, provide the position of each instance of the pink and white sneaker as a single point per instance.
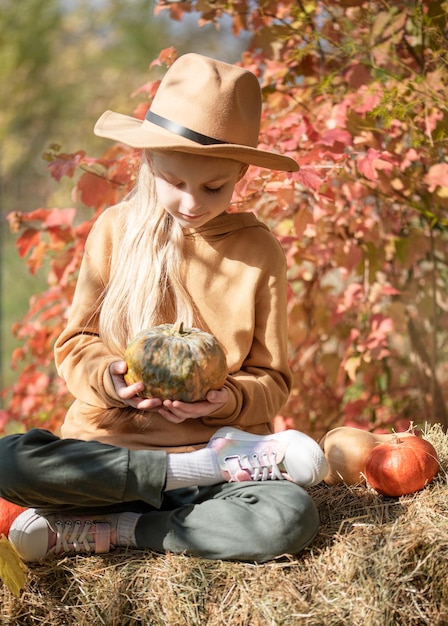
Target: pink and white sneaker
(287, 455)
(38, 536)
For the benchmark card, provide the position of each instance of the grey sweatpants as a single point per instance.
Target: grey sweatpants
(249, 521)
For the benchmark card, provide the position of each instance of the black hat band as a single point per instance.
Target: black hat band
(183, 131)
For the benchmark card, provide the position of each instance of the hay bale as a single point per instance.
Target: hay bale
(376, 562)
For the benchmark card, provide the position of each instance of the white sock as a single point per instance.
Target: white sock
(193, 469)
(126, 524)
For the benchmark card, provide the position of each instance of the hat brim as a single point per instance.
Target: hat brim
(143, 134)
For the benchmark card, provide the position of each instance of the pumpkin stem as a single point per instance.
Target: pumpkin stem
(178, 327)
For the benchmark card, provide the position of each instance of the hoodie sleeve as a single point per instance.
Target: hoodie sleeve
(81, 358)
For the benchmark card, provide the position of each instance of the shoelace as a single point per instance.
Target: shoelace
(260, 467)
(81, 536)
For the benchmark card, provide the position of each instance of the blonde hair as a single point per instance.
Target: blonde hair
(148, 287)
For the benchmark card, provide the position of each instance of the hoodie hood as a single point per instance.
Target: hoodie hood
(224, 224)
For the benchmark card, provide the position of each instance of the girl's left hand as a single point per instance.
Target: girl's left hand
(177, 412)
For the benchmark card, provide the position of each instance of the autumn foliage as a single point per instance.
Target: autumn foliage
(356, 92)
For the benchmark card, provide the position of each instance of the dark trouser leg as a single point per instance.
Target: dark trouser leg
(236, 521)
(40, 470)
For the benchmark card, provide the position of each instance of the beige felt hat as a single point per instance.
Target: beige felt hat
(202, 106)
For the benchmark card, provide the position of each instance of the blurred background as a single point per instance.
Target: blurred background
(62, 63)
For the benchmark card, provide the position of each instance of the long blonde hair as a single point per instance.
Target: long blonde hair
(148, 287)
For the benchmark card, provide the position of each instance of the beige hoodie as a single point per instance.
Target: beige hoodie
(236, 276)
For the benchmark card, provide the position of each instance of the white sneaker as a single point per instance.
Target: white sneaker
(37, 537)
(287, 455)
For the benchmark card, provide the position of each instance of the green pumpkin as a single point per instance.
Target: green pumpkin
(175, 363)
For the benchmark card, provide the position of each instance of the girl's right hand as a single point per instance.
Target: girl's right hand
(129, 393)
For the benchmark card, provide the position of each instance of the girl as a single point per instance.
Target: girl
(207, 478)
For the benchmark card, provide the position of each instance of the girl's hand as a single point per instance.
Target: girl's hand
(129, 393)
(177, 412)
